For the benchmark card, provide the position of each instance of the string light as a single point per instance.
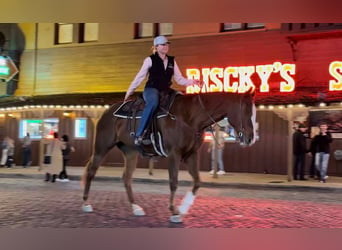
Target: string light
(71, 107)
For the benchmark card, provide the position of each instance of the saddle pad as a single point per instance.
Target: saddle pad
(134, 108)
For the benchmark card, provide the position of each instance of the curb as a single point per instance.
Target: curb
(189, 183)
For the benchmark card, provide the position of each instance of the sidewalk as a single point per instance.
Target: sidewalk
(235, 180)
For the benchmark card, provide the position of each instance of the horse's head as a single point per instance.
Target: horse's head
(244, 121)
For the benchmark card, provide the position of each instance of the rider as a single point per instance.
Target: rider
(160, 68)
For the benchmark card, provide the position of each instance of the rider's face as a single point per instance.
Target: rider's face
(163, 48)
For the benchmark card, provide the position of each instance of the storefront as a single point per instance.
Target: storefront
(289, 103)
(297, 78)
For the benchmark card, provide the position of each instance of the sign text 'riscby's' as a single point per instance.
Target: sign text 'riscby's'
(238, 79)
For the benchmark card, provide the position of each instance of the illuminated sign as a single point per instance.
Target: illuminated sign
(239, 79)
(4, 70)
(7, 68)
(335, 70)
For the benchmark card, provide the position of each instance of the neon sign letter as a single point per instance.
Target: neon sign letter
(239, 79)
(290, 84)
(234, 72)
(335, 70)
(264, 72)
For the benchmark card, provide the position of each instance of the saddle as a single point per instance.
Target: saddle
(152, 144)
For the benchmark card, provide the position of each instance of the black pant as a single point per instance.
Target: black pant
(9, 161)
(299, 166)
(63, 174)
(26, 156)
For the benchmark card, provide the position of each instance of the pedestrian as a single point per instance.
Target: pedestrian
(160, 68)
(4, 151)
(299, 152)
(63, 176)
(314, 173)
(217, 144)
(322, 141)
(54, 150)
(26, 150)
(10, 152)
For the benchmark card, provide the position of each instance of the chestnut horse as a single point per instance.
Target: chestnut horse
(182, 131)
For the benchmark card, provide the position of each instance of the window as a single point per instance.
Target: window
(38, 129)
(66, 33)
(166, 29)
(144, 30)
(241, 26)
(91, 32)
(297, 27)
(80, 128)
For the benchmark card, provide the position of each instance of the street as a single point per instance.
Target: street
(33, 203)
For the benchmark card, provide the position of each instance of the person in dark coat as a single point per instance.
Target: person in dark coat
(299, 152)
(63, 176)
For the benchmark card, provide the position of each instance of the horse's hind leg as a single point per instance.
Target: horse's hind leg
(130, 165)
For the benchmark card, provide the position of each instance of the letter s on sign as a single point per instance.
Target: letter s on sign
(335, 70)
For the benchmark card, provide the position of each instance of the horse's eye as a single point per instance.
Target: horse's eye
(240, 134)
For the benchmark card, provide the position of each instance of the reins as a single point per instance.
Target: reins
(210, 127)
(214, 122)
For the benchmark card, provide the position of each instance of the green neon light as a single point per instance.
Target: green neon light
(4, 70)
(34, 121)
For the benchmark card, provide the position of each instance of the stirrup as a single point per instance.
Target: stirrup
(138, 140)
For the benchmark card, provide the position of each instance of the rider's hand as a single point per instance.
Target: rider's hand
(126, 98)
(199, 83)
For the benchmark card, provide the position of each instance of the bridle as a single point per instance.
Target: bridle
(242, 129)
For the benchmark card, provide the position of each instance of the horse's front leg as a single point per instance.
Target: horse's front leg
(88, 175)
(130, 165)
(192, 166)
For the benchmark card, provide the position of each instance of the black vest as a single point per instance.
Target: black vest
(160, 78)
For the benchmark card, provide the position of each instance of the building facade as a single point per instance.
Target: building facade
(69, 73)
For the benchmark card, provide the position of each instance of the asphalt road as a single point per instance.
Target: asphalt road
(33, 203)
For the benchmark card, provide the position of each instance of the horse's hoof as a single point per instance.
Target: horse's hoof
(87, 208)
(137, 210)
(176, 219)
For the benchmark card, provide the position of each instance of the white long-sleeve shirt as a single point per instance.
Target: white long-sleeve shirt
(143, 73)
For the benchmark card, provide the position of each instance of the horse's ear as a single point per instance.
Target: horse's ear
(250, 92)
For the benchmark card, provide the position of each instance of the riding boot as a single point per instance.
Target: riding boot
(138, 140)
(47, 176)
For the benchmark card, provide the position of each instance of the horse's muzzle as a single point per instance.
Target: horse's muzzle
(244, 141)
